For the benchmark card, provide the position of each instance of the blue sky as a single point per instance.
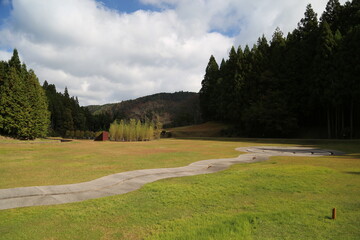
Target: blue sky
(112, 50)
(123, 6)
(128, 6)
(5, 7)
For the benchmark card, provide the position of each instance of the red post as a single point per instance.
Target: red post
(334, 213)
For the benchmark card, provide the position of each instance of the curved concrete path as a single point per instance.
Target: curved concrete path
(129, 181)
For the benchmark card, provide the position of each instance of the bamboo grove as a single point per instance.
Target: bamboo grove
(306, 84)
(134, 130)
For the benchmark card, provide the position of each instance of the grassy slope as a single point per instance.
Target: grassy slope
(283, 198)
(208, 129)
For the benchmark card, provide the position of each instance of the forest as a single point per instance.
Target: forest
(305, 84)
(68, 118)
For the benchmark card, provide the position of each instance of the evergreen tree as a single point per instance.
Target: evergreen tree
(15, 61)
(324, 86)
(23, 111)
(208, 98)
(68, 122)
(350, 59)
(332, 14)
(66, 93)
(309, 23)
(38, 104)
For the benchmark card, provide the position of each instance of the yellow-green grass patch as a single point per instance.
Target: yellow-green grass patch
(24, 164)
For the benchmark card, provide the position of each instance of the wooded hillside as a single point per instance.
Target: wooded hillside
(172, 109)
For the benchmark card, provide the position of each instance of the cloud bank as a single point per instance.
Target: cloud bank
(104, 55)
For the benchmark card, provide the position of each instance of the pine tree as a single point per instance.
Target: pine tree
(309, 23)
(15, 110)
(208, 90)
(68, 122)
(66, 93)
(332, 14)
(15, 61)
(323, 90)
(350, 62)
(38, 104)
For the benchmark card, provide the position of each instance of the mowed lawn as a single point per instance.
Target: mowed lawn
(32, 164)
(282, 198)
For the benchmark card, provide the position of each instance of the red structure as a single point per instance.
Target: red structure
(104, 136)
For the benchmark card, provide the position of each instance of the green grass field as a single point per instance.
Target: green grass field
(283, 198)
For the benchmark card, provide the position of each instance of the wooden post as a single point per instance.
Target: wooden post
(334, 213)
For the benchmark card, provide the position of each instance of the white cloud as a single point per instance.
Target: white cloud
(247, 19)
(5, 55)
(103, 56)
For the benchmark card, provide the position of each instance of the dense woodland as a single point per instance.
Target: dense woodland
(68, 118)
(23, 104)
(305, 82)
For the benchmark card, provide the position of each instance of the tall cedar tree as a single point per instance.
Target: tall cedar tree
(208, 91)
(23, 105)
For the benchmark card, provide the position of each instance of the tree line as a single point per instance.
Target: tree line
(29, 110)
(305, 82)
(68, 118)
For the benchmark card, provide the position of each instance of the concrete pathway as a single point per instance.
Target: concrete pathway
(129, 181)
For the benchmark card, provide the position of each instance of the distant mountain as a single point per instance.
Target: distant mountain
(172, 109)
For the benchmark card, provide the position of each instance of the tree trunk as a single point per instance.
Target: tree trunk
(328, 122)
(336, 123)
(351, 118)
(343, 124)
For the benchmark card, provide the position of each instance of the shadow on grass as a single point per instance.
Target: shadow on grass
(273, 140)
(354, 173)
(345, 145)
